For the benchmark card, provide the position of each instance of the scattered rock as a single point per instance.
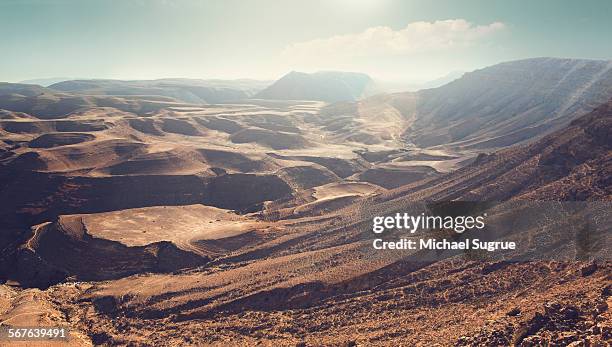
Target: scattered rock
(530, 341)
(514, 312)
(606, 291)
(105, 304)
(528, 328)
(567, 338)
(589, 269)
(606, 332)
(569, 313)
(101, 338)
(594, 330)
(552, 307)
(601, 307)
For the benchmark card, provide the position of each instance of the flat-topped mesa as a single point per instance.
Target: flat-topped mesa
(65, 249)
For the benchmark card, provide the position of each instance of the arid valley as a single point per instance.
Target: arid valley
(201, 212)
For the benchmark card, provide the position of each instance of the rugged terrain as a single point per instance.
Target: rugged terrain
(141, 216)
(507, 103)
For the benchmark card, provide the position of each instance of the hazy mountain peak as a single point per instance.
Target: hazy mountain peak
(327, 86)
(45, 82)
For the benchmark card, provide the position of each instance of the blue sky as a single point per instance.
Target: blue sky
(392, 40)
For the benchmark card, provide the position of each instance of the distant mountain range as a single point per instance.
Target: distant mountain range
(494, 107)
(251, 87)
(490, 108)
(45, 82)
(184, 90)
(47, 103)
(139, 97)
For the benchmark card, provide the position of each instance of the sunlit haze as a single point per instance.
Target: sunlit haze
(390, 40)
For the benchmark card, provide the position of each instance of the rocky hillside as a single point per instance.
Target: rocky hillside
(510, 102)
(574, 163)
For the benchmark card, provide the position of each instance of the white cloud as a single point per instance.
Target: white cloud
(415, 38)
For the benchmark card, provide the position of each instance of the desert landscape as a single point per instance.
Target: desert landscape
(209, 212)
(338, 173)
